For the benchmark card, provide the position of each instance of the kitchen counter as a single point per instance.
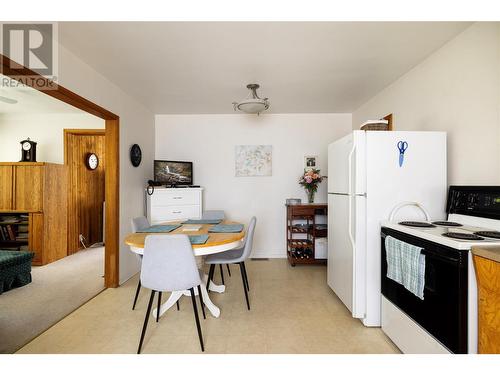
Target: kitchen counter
(487, 265)
(491, 253)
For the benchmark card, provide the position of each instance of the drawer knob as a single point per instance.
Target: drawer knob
(177, 197)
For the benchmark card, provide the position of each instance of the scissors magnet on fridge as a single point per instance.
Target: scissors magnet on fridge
(402, 147)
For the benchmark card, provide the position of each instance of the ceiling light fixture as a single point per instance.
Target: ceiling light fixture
(252, 103)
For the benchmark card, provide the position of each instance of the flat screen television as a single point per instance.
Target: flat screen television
(173, 172)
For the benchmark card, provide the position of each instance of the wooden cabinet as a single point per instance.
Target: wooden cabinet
(37, 191)
(28, 187)
(488, 280)
(302, 232)
(35, 239)
(6, 186)
(21, 186)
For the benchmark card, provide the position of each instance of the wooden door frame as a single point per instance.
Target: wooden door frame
(389, 121)
(79, 132)
(112, 157)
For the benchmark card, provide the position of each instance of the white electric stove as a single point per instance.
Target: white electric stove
(445, 321)
(453, 233)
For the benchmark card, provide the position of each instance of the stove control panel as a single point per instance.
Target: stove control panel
(481, 201)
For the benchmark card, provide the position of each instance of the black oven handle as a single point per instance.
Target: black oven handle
(439, 256)
(431, 254)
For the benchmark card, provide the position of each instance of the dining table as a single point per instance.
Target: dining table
(216, 243)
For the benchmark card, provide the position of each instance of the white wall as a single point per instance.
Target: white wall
(136, 126)
(209, 141)
(45, 129)
(457, 90)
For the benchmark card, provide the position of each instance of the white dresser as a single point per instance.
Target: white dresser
(167, 204)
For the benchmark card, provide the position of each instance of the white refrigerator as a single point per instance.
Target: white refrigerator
(369, 173)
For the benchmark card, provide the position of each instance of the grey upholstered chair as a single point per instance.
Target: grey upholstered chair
(169, 265)
(236, 256)
(213, 215)
(216, 215)
(138, 223)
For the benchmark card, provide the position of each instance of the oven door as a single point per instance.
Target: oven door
(443, 311)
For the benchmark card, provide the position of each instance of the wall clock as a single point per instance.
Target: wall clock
(92, 161)
(135, 155)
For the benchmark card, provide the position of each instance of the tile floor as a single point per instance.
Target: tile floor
(292, 311)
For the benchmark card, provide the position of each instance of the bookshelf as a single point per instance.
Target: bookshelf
(14, 231)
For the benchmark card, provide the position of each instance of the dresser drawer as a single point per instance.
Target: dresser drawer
(162, 214)
(173, 198)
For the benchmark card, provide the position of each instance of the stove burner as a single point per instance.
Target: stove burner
(463, 236)
(417, 224)
(488, 233)
(447, 223)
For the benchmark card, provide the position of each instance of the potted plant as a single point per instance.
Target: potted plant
(310, 181)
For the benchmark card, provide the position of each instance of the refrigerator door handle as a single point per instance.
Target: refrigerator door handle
(351, 236)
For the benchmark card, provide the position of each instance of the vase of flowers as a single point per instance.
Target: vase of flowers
(310, 181)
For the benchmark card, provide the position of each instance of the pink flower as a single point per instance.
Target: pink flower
(309, 179)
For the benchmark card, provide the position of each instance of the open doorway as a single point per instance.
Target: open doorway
(35, 213)
(84, 155)
(112, 129)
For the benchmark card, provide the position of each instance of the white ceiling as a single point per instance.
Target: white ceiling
(202, 67)
(29, 100)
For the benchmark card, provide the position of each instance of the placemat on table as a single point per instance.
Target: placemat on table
(202, 221)
(160, 228)
(226, 228)
(199, 239)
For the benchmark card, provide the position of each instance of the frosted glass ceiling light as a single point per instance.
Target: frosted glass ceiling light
(252, 103)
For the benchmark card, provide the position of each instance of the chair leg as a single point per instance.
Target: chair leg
(178, 307)
(210, 275)
(195, 309)
(242, 270)
(246, 275)
(201, 302)
(221, 273)
(159, 305)
(137, 293)
(228, 270)
(145, 325)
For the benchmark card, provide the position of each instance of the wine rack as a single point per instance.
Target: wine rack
(302, 231)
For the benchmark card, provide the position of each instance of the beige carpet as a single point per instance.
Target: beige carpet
(57, 289)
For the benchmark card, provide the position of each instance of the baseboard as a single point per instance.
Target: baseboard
(268, 254)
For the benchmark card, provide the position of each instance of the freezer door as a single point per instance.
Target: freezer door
(346, 251)
(346, 163)
(406, 166)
